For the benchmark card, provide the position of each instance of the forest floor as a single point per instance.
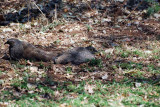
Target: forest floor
(126, 71)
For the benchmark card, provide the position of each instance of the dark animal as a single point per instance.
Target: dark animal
(76, 56)
(20, 49)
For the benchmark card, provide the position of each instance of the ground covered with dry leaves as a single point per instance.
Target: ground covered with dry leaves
(126, 71)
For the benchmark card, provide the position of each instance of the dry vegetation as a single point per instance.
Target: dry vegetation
(126, 71)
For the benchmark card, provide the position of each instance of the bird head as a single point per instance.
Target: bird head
(12, 41)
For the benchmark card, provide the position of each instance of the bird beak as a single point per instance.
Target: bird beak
(6, 42)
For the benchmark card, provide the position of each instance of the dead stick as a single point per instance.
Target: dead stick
(115, 16)
(89, 6)
(55, 15)
(39, 9)
(135, 8)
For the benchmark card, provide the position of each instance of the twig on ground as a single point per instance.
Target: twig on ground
(135, 8)
(89, 5)
(40, 11)
(55, 15)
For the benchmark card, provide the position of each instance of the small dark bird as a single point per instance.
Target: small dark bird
(76, 55)
(20, 49)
